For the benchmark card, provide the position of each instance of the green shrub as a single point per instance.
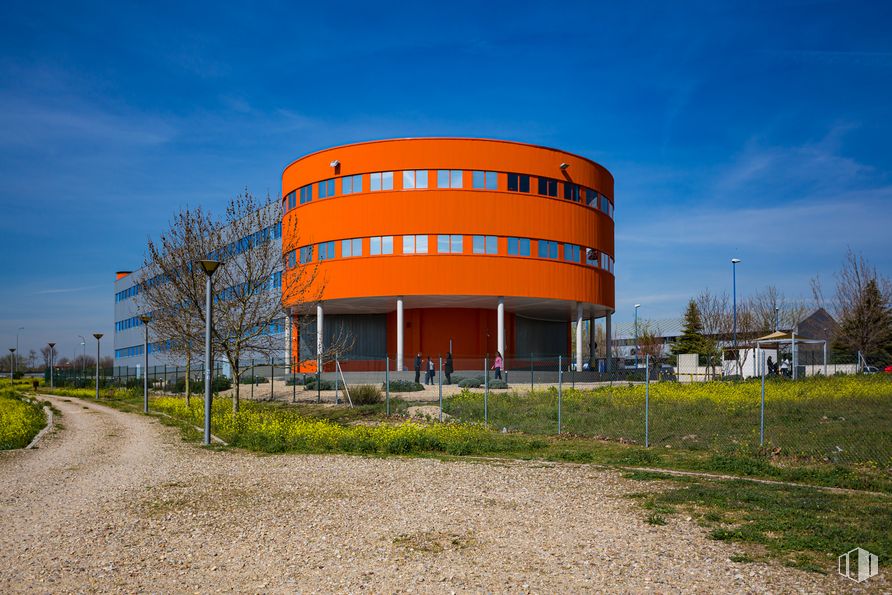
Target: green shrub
(404, 386)
(323, 384)
(253, 380)
(471, 383)
(196, 387)
(365, 394)
(498, 384)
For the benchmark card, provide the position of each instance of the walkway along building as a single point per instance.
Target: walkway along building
(439, 245)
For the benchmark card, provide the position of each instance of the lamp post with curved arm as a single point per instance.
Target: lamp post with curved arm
(98, 337)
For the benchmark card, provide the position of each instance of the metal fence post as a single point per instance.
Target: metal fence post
(337, 400)
(647, 400)
(560, 389)
(485, 389)
(293, 375)
(387, 384)
(531, 373)
(440, 382)
(253, 380)
(762, 406)
(272, 379)
(318, 379)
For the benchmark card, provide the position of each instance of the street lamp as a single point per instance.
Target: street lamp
(636, 335)
(52, 362)
(98, 336)
(734, 262)
(145, 318)
(12, 365)
(209, 267)
(84, 360)
(776, 319)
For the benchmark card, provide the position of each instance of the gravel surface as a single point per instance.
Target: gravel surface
(117, 502)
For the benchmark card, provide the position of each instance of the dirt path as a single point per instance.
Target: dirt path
(116, 502)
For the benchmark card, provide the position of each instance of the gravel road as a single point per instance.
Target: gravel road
(117, 502)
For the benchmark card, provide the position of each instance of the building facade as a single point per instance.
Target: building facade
(437, 245)
(129, 336)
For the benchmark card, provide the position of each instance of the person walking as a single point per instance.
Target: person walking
(497, 365)
(418, 368)
(447, 369)
(430, 371)
(770, 365)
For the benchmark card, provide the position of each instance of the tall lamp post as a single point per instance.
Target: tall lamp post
(636, 335)
(734, 262)
(145, 318)
(209, 267)
(12, 365)
(84, 360)
(52, 362)
(98, 337)
(776, 319)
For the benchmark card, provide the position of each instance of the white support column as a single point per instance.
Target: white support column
(399, 334)
(579, 336)
(608, 337)
(319, 335)
(501, 326)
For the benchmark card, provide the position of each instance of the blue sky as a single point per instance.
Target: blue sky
(756, 130)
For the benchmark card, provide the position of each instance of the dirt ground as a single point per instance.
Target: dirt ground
(117, 502)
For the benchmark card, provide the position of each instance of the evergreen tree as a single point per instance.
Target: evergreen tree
(692, 339)
(867, 327)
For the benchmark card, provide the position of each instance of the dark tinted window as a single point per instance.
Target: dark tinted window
(547, 187)
(518, 183)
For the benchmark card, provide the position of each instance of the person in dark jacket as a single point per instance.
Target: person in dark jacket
(447, 369)
(429, 378)
(418, 368)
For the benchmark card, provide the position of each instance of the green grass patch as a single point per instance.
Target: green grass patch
(20, 419)
(802, 526)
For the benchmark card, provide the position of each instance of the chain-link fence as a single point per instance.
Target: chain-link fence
(839, 417)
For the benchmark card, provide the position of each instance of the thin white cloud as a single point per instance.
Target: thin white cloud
(66, 289)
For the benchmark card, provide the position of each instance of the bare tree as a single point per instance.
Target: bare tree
(48, 353)
(249, 285)
(716, 324)
(650, 342)
(171, 287)
(769, 305)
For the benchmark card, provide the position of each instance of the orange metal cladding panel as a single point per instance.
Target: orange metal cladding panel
(446, 153)
(469, 212)
(467, 274)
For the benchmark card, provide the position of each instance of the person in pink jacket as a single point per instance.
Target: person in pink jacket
(497, 365)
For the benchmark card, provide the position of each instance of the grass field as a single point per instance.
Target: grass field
(20, 420)
(838, 419)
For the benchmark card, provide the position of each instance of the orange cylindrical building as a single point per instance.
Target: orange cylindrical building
(436, 245)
